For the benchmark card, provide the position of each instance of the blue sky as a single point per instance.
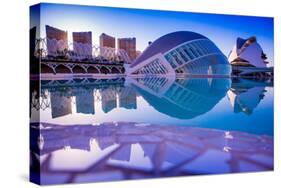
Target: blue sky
(148, 25)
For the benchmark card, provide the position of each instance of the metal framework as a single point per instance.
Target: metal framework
(95, 54)
(72, 67)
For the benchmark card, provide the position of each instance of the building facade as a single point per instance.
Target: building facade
(247, 52)
(57, 41)
(82, 44)
(107, 41)
(107, 46)
(181, 52)
(129, 46)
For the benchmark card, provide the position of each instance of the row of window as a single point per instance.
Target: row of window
(155, 67)
(189, 99)
(198, 95)
(210, 86)
(154, 83)
(197, 83)
(210, 65)
(190, 51)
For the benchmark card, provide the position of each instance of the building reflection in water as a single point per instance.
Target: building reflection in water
(85, 101)
(82, 93)
(127, 98)
(60, 103)
(185, 98)
(130, 150)
(182, 98)
(109, 99)
(245, 95)
(127, 150)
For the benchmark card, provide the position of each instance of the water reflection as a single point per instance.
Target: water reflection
(85, 101)
(127, 98)
(158, 100)
(113, 129)
(60, 103)
(245, 95)
(109, 99)
(127, 150)
(182, 98)
(186, 98)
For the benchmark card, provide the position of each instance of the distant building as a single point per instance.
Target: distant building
(107, 41)
(56, 40)
(129, 45)
(55, 33)
(107, 44)
(248, 59)
(247, 52)
(82, 37)
(82, 44)
(181, 52)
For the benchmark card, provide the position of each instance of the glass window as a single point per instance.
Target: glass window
(170, 60)
(182, 55)
(193, 50)
(198, 48)
(190, 51)
(203, 47)
(176, 58)
(190, 56)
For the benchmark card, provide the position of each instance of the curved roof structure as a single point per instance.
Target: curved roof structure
(247, 52)
(167, 42)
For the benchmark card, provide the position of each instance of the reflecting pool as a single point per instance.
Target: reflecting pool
(131, 128)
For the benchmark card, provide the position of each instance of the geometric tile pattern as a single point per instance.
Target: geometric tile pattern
(128, 150)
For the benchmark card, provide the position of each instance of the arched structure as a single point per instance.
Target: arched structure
(46, 69)
(80, 68)
(248, 53)
(63, 69)
(248, 59)
(93, 70)
(181, 52)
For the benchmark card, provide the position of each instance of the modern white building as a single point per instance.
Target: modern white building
(247, 52)
(181, 52)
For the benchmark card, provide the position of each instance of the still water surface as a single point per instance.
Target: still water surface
(114, 129)
(242, 105)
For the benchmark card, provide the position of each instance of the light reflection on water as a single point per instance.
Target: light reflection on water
(213, 103)
(116, 127)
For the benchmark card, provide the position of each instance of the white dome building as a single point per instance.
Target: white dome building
(247, 52)
(181, 52)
